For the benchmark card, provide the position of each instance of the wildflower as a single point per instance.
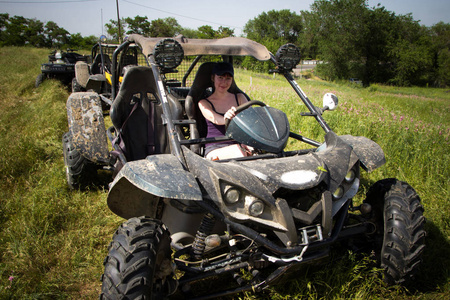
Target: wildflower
(11, 278)
(401, 118)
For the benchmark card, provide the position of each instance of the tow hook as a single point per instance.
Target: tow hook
(297, 258)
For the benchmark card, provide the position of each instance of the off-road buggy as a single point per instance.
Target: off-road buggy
(93, 83)
(244, 221)
(96, 76)
(61, 66)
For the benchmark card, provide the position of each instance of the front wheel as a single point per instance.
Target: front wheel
(79, 171)
(399, 236)
(139, 265)
(76, 87)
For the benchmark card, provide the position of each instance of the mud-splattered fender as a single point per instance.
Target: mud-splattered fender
(87, 126)
(369, 153)
(140, 184)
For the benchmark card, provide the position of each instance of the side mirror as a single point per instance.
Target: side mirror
(330, 102)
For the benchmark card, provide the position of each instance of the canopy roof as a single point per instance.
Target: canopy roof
(234, 46)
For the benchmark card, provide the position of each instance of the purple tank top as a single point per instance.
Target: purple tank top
(214, 130)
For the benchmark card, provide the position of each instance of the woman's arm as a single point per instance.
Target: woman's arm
(212, 116)
(209, 114)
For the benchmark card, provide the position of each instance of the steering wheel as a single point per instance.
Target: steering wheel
(243, 107)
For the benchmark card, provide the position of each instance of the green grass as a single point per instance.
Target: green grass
(53, 240)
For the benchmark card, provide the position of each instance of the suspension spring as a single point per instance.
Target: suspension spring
(205, 229)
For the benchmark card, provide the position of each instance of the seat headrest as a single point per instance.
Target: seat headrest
(137, 80)
(202, 81)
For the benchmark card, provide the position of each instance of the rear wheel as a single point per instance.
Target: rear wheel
(79, 171)
(39, 79)
(139, 265)
(400, 234)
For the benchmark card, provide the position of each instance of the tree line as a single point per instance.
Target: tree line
(20, 31)
(352, 39)
(357, 41)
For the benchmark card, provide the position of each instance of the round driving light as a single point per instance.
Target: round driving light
(256, 208)
(232, 195)
(338, 193)
(168, 54)
(288, 56)
(350, 176)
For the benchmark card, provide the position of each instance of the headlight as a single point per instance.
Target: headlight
(338, 193)
(238, 202)
(232, 195)
(350, 176)
(256, 208)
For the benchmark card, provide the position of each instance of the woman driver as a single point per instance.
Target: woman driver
(216, 108)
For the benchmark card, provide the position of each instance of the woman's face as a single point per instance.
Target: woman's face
(222, 82)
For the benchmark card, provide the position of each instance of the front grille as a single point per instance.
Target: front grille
(305, 204)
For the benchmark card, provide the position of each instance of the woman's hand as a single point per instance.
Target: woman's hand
(231, 113)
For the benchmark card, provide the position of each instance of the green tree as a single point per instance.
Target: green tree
(272, 29)
(380, 34)
(369, 43)
(56, 36)
(307, 41)
(282, 25)
(443, 70)
(139, 25)
(440, 37)
(409, 52)
(206, 32)
(190, 33)
(167, 27)
(3, 22)
(34, 33)
(340, 28)
(77, 41)
(224, 32)
(112, 29)
(14, 31)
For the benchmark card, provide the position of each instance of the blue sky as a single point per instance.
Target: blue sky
(86, 16)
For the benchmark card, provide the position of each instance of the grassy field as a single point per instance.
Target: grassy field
(53, 240)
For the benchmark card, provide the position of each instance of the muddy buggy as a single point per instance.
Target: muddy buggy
(61, 66)
(248, 222)
(96, 75)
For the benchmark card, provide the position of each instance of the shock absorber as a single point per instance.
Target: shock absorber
(205, 229)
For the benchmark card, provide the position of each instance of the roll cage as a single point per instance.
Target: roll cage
(174, 82)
